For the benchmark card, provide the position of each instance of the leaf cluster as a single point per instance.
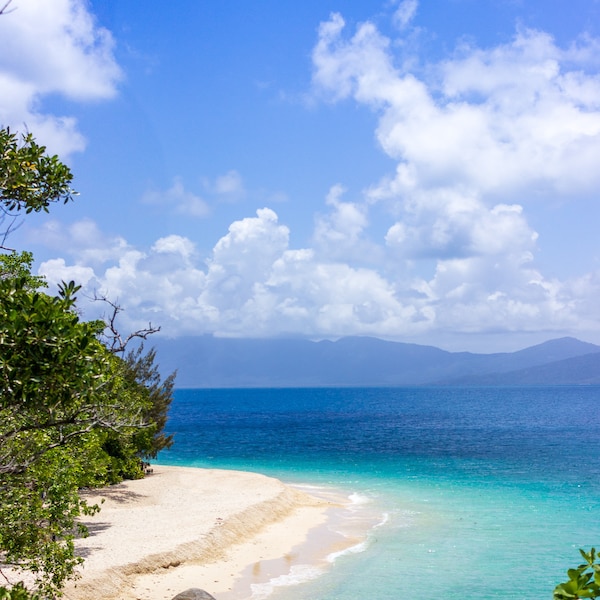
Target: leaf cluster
(17, 592)
(30, 179)
(584, 581)
(19, 264)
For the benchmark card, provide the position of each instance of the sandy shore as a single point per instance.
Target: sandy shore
(181, 527)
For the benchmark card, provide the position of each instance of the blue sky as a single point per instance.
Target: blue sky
(418, 171)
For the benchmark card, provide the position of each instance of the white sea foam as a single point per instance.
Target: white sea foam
(385, 517)
(298, 574)
(356, 549)
(358, 499)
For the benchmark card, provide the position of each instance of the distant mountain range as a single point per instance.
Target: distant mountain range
(206, 361)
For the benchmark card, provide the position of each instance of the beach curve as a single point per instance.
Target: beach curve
(184, 527)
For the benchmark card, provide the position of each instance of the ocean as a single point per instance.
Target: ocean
(481, 492)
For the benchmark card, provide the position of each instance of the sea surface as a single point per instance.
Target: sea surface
(484, 493)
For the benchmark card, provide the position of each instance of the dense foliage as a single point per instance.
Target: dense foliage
(73, 413)
(30, 179)
(16, 265)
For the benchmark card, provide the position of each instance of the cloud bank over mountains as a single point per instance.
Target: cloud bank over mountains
(478, 139)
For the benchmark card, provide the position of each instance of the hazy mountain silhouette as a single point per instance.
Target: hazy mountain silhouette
(206, 361)
(580, 370)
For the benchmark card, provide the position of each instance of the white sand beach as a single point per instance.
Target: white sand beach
(183, 527)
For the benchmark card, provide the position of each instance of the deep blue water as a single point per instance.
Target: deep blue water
(489, 491)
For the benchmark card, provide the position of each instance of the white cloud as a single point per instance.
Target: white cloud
(444, 224)
(340, 234)
(53, 48)
(254, 284)
(175, 244)
(83, 239)
(56, 270)
(405, 13)
(515, 119)
(477, 138)
(178, 200)
(229, 187)
(361, 68)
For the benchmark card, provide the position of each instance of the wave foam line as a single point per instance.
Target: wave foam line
(298, 574)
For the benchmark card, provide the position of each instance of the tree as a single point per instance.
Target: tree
(61, 390)
(143, 379)
(142, 372)
(124, 452)
(66, 399)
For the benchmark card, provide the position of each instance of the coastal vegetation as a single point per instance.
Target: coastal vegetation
(77, 407)
(584, 581)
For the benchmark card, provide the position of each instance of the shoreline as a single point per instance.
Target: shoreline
(182, 527)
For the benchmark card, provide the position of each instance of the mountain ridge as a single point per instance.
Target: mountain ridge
(207, 361)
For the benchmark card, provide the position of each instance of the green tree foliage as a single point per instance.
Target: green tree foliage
(30, 179)
(124, 452)
(141, 372)
(17, 592)
(61, 390)
(583, 582)
(52, 373)
(18, 264)
(72, 412)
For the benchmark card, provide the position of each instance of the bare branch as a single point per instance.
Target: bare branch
(115, 342)
(3, 10)
(12, 225)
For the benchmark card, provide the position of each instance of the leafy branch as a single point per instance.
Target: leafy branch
(583, 582)
(30, 179)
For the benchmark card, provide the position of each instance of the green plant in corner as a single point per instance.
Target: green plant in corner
(17, 592)
(584, 581)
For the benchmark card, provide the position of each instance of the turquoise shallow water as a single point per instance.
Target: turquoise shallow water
(487, 492)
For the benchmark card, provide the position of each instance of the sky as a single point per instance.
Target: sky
(413, 170)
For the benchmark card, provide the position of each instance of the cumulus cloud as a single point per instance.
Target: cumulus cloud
(477, 138)
(255, 284)
(519, 118)
(53, 48)
(447, 224)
